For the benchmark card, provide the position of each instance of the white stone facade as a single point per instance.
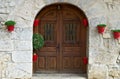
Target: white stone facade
(16, 47)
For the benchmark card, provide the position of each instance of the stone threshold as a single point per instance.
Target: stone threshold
(59, 76)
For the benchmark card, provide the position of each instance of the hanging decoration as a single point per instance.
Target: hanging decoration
(36, 22)
(35, 57)
(101, 28)
(85, 60)
(85, 22)
(10, 28)
(10, 25)
(116, 34)
(38, 42)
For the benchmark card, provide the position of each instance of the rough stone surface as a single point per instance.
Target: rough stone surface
(16, 47)
(118, 59)
(22, 56)
(19, 70)
(59, 76)
(106, 35)
(23, 34)
(114, 73)
(119, 41)
(97, 71)
(5, 57)
(6, 45)
(23, 45)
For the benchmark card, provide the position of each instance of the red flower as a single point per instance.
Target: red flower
(116, 35)
(85, 22)
(36, 22)
(10, 28)
(35, 57)
(101, 29)
(85, 60)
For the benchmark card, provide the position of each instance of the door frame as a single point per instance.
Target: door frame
(76, 10)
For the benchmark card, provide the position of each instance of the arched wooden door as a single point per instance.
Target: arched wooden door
(65, 39)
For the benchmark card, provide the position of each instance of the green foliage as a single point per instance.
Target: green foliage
(10, 22)
(117, 30)
(38, 41)
(101, 25)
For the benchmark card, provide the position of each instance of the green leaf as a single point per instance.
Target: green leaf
(38, 41)
(117, 30)
(101, 25)
(10, 22)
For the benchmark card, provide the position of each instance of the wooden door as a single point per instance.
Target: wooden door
(65, 39)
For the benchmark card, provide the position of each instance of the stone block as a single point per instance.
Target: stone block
(108, 1)
(119, 41)
(39, 5)
(3, 11)
(0, 67)
(94, 21)
(19, 70)
(5, 57)
(23, 45)
(97, 71)
(106, 35)
(26, 67)
(5, 35)
(23, 34)
(12, 4)
(0, 74)
(20, 22)
(118, 59)
(6, 45)
(114, 73)
(3, 66)
(115, 24)
(105, 57)
(114, 16)
(3, 73)
(85, 3)
(96, 9)
(22, 56)
(3, 17)
(26, 10)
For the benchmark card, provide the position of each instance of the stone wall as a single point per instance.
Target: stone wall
(16, 47)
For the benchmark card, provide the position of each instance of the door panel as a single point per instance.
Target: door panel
(41, 62)
(66, 63)
(65, 40)
(77, 62)
(72, 52)
(52, 62)
(48, 54)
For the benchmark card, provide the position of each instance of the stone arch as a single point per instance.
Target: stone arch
(28, 11)
(43, 17)
(24, 16)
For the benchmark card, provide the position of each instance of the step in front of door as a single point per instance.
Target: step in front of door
(59, 76)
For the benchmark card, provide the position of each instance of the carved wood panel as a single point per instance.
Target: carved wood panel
(65, 40)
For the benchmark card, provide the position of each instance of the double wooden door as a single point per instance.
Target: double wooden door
(65, 40)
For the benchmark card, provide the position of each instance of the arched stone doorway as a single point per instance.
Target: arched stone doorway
(24, 14)
(65, 39)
